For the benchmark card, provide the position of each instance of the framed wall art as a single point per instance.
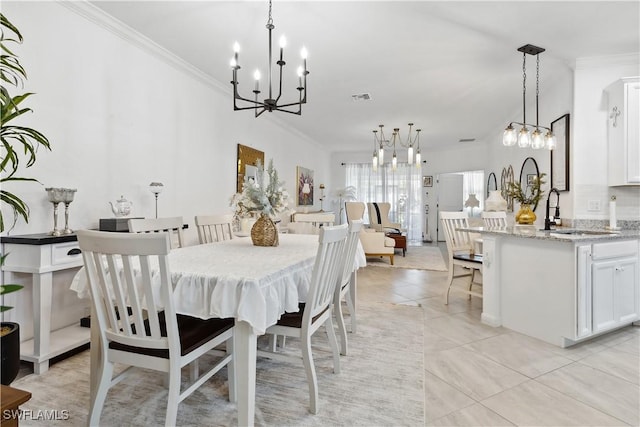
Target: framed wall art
(304, 186)
(560, 155)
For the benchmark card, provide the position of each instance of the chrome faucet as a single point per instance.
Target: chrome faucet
(547, 221)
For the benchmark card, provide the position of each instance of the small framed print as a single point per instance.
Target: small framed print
(427, 181)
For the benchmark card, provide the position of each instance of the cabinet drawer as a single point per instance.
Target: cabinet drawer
(64, 253)
(614, 249)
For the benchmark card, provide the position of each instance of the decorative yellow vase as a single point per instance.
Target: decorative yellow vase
(264, 232)
(525, 215)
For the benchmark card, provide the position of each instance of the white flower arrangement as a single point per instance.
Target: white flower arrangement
(262, 196)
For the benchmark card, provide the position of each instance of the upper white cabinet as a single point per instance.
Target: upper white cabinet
(624, 131)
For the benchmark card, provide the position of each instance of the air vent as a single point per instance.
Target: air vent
(466, 140)
(361, 97)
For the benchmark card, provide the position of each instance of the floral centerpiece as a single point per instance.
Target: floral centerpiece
(264, 196)
(527, 197)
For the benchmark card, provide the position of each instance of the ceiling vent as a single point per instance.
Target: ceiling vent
(467, 140)
(361, 97)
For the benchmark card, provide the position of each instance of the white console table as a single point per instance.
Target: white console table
(41, 255)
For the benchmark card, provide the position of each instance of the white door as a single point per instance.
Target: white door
(449, 196)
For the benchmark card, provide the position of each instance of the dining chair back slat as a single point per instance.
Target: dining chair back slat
(171, 225)
(494, 219)
(326, 269)
(214, 228)
(346, 283)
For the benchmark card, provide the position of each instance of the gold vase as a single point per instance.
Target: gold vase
(264, 232)
(525, 215)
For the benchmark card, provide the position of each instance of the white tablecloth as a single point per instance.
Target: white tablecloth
(236, 279)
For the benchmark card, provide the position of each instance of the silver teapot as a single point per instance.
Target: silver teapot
(122, 207)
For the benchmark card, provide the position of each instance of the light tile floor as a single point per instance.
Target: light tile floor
(479, 375)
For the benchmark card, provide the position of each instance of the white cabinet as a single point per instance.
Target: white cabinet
(608, 286)
(614, 282)
(624, 131)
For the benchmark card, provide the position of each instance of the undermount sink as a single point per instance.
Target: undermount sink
(582, 232)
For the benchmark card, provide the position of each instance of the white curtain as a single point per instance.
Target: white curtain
(402, 188)
(473, 183)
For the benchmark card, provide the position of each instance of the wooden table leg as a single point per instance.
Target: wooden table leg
(244, 347)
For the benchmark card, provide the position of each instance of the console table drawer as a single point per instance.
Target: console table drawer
(65, 253)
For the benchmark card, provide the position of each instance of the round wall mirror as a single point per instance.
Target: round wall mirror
(492, 183)
(529, 173)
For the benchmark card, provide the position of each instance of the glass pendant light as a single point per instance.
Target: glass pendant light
(537, 139)
(524, 137)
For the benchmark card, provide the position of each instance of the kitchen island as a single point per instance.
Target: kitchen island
(561, 286)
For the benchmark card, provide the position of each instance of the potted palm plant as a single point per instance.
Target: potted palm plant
(20, 146)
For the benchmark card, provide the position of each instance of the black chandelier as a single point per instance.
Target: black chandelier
(270, 104)
(524, 138)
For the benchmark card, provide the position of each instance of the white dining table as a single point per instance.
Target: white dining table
(253, 284)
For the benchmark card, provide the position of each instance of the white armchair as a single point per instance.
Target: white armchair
(379, 217)
(374, 243)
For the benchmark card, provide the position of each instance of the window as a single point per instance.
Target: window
(402, 188)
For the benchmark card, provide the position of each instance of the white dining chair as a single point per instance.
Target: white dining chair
(171, 225)
(494, 219)
(317, 311)
(214, 228)
(346, 286)
(461, 253)
(131, 291)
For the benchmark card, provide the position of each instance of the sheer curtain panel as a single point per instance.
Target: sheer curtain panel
(402, 188)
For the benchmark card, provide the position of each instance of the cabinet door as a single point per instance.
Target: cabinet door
(615, 292)
(624, 132)
(632, 131)
(626, 290)
(603, 278)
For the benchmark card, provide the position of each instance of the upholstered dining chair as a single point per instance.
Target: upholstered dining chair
(317, 311)
(119, 268)
(170, 225)
(460, 249)
(494, 219)
(346, 286)
(374, 243)
(214, 228)
(379, 217)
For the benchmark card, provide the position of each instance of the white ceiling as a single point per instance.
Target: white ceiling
(450, 67)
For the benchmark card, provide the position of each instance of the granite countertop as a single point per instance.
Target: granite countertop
(559, 234)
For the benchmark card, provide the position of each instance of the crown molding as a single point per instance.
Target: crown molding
(99, 17)
(608, 61)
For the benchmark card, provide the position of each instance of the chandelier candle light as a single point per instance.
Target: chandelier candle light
(524, 138)
(379, 144)
(270, 104)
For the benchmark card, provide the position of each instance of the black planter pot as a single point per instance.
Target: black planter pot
(10, 350)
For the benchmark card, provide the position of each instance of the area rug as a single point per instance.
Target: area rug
(417, 257)
(380, 384)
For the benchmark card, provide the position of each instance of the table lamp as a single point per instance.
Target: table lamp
(156, 188)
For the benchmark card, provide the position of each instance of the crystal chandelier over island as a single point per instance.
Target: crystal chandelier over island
(379, 144)
(524, 137)
(270, 104)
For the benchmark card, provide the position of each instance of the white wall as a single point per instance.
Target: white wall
(119, 117)
(120, 113)
(590, 166)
